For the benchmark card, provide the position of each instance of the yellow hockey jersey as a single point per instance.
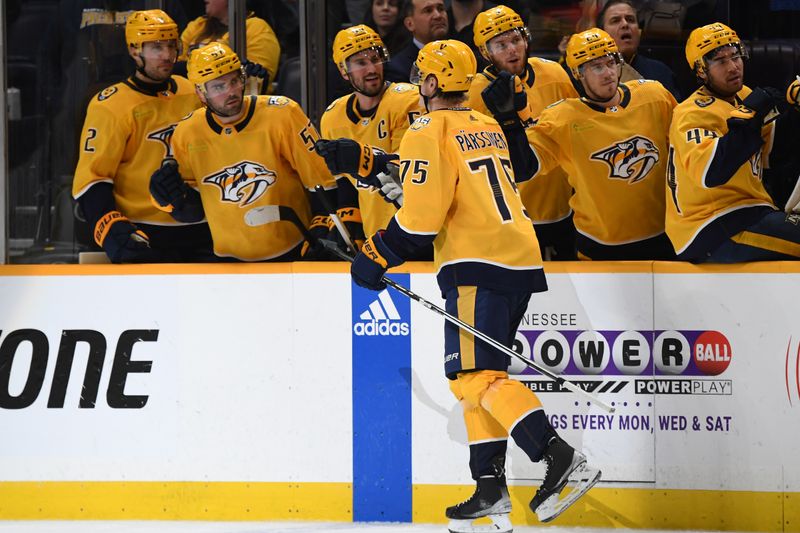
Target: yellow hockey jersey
(615, 159)
(263, 46)
(700, 214)
(265, 158)
(547, 197)
(125, 137)
(383, 128)
(459, 192)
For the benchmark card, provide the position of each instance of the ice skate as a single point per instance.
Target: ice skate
(490, 500)
(564, 465)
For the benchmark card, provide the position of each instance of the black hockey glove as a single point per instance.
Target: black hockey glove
(167, 187)
(122, 241)
(372, 262)
(362, 161)
(507, 101)
(312, 249)
(760, 106)
(255, 70)
(351, 218)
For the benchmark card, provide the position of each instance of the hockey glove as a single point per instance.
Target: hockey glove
(255, 70)
(346, 156)
(793, 94)
(507, 101)
(312, 249)
(372, 262)
(391, 189)
(167, 187)
(351, 218)
(122, 241)
(760, 107)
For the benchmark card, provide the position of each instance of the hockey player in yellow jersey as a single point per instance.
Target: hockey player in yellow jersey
(125, 136)
(459, 193)
(722, 137)
(238, 160)
(612, 144)
(376, 113)
(503, 39)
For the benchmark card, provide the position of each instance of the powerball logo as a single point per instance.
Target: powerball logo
(381, 318)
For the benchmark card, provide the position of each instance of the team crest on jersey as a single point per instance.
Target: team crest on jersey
(107, 93)
(163, 136)
(631, 159)
(242, 183)
(704, 101)
(420, 123)
(277, 101)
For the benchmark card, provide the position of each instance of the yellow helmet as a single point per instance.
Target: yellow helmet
(706, 39)
(492, 22)
(588, 45)
(150, 25)
(451, 61)
(353, 40)
(210, 62)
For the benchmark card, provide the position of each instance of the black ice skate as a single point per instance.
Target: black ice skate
(563, 462)
(491, 500)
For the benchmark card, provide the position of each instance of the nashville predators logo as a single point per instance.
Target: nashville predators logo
(631, 159)
(243, 183)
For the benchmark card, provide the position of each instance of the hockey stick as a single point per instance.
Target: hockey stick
(466, 327)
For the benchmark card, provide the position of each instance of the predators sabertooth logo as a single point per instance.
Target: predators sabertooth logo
(243, 183)
(631, 159)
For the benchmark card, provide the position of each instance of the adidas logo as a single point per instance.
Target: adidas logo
(381, 318)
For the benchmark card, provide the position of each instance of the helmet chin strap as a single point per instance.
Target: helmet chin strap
(426, 99)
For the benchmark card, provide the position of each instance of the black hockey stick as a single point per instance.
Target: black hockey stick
(464, 326)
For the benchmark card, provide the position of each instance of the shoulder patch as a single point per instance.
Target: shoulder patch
(403, 87)
(420, 123)
(107, 93)
(277, 101)
(704, 101)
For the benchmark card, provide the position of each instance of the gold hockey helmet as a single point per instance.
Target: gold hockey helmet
(492, 22)
(588, 45)
(210, 62)
(704, 40)
(353, 40)
(150, 25)
(451, 61)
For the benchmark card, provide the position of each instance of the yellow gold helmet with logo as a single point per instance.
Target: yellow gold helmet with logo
(150, 25)
(704, 40)
(493, 22)
(210, 62)
(451, 61)
(588, 45)
(353, 40)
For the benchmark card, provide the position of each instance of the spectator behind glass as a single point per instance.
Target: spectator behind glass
(427, 21)
(385, 17)
(262, 43)
(618, 18)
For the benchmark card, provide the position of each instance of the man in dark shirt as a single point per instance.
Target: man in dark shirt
(427, 21)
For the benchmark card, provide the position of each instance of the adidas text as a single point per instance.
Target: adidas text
(383, 327)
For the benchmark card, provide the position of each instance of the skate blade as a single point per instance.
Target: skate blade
(500, 524)
(552, 507)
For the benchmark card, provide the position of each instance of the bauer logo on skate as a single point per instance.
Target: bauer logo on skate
(625, 354)
(381, 318)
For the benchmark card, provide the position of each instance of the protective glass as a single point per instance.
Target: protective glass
(415, 76)
(219, 86)
(364, 59)
(504, 41)
(739, 54)
(598, 66)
